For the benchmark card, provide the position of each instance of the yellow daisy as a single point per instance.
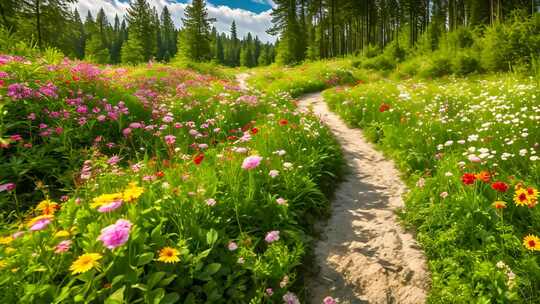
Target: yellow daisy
(168, 255)
(85, 262)
(532, 242)
(521, 198)
(6, 240)
(61, 234)
(499, 205)
(132, 192)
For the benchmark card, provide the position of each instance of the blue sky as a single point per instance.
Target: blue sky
(250, 15)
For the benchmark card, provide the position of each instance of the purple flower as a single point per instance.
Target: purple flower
(116, 234)
(290, 298)
(272, 236)
(7, 187)
(251, 162)
(19, 91)
(49, 90)
(110, 206)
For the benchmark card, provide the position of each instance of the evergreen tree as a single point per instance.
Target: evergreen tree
(80, 38)
(195, 38)
(168, 35)
(220, 54)
(141, 28)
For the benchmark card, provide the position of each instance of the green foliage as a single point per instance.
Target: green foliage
(132, 51)
(194, 42)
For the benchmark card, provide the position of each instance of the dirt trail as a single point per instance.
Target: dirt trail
(364, 255)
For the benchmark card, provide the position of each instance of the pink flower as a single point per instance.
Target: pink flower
(19, 91)
(116, 234)
(170, 139)
(40, 224)
(329, 300)
(211, 202)
(17, 234)
(290, 298)
(273, 173)
(110, 206)
(113, 160)
(251, 162)
(281, 201)
(232, 246)
(126, 132)
(7, 187)
(272, 236)
(444, 194)
(63, 246)
(269, 291)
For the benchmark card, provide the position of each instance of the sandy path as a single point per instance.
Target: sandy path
(364, 255)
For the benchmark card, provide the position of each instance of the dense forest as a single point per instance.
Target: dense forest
(142, 35)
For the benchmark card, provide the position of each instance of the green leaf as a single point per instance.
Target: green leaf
(116, 297)
(170, 298)
(145, 258)
(211, 237)
(154, 278)
(167, 281)
(208, 271)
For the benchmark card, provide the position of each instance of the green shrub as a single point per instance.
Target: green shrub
(381, 62)
(371, 51)
(439, 65)
(466, 62)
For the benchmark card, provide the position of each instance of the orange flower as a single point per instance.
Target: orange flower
(499, 205)
(483, 176)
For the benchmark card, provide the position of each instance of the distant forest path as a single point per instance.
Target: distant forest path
(364, 255)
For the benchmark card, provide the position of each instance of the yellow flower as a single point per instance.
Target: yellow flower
(132, 192)
(47, 207)
(61, 234)
(10, 250)
(85, 262)
(6, 240)
(521, 198)
(499, 205)
(105, 199)
(532, 242)
(168, 255)
(2, 264)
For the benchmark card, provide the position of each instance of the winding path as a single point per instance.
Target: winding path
(364, 255)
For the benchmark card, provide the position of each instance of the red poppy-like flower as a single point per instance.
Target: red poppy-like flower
(198, 159)
(468, 178)
(384, 107)
(283, 122)
(232, 137)
(254, 131)
(499, 186)
(484, 176)
(160, 174)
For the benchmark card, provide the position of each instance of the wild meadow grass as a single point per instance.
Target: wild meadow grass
(153, 184)
(469, 148)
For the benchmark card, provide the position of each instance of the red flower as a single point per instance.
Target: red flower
(468, 178)
(198, 159)
(283, 122)
(254, 131)
(384, 107)
(232, 137)
(499, 186)
(160, 174)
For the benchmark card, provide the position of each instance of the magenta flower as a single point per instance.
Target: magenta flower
(49, 90)
(19, 91)
(126, 132)
(251, 162)
(63, 246)
(40, 224)
(110, 206)
(329, 300)
(272, 236)
(7, 187)
(116, 234)
(170, 139)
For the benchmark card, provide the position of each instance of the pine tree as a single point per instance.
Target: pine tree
(233, 57)
(80, 38)
(141, 28)
(195, 36)
(220, 55)
(168, 35)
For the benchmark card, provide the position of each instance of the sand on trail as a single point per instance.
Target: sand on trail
(364, 255)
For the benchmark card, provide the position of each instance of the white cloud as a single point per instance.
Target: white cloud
(246, 21)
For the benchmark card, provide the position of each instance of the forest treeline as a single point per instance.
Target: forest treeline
(143, 34)
(313, 29)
